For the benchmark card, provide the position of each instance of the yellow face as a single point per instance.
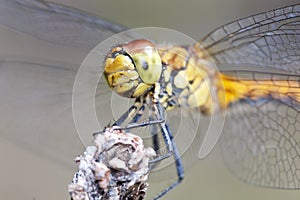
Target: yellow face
(133, 68)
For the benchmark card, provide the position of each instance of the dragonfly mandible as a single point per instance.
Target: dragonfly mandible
(263, 121)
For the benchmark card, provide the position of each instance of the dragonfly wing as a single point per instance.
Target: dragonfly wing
(36, 110)
(56, 23)
(260, 144)
(270, 39)
(260, 141)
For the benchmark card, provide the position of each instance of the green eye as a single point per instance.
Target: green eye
(148, 65)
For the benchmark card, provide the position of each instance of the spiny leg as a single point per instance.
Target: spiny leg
(169, 140)
(144, 123)
(132, 113)
(154, 135)
(138, 114)
(155, 140)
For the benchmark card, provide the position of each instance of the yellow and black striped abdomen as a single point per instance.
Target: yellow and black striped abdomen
(285, 88)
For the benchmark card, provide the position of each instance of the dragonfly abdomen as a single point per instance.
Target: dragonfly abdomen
(237, 89)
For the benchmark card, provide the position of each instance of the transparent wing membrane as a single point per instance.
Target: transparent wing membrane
(260, 139)
(267, 40)
(56, 23)
(38, 89)
(38, 95)
(260, 144)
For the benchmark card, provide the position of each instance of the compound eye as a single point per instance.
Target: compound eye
(146, 59)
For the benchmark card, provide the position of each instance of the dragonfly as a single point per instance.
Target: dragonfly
(261, 100)
(176, 76)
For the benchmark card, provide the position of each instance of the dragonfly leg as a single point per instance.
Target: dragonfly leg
(144, 123)
(161, 157)
(154, 136)
(134, 113)
(169, 140)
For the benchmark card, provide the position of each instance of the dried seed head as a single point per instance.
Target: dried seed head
(117, 167)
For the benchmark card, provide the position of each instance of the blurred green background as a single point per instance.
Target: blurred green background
(208, 179)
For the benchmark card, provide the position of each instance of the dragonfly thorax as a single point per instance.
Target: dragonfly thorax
(133, 68)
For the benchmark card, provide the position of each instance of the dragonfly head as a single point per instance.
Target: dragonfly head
(132, 69)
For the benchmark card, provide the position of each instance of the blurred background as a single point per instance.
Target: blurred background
(26, 174)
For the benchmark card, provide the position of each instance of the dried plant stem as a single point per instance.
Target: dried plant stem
(117, 167)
